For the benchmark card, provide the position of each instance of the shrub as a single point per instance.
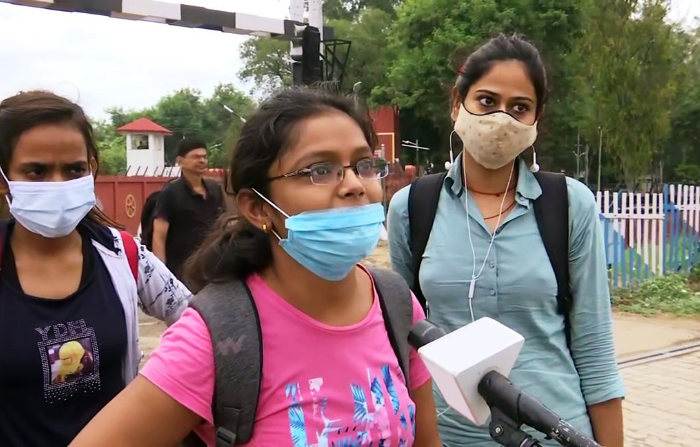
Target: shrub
(670, 294)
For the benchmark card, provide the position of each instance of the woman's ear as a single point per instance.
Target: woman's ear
(252, 209)
(93, 166)
(456, 103)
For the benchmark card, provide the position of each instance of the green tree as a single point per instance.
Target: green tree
(369, 58)
(266, 63)
(111, 148)
(365, 23)
(681, 155)
(629, 81)
(113, 157)
(430, 39)
(186, 113)
(225, 127)
(349, 10)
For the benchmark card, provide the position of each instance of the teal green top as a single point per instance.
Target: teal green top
(517, 287)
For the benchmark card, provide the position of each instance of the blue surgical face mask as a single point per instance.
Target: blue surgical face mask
(51, 209)
(329, 243)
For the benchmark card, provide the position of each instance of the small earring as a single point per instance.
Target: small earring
(535, 167)
(264, 228)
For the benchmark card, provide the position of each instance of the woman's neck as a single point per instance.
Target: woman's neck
(307, 292)
(25, 241)
(489, 181)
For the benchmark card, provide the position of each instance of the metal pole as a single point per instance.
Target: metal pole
(587, 162)
(578, 166)
(600, 153)
(578, 155)
(417, 159)
(356, 93)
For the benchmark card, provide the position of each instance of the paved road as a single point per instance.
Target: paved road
(662, 407)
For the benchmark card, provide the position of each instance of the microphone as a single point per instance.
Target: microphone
(475, 384)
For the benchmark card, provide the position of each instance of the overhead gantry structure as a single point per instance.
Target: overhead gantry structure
(316, 54)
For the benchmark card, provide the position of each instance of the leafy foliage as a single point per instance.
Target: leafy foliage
(671, 294)
(432, 38)
(266, 64)
(186, 113)
(620, 74)
(628, 80)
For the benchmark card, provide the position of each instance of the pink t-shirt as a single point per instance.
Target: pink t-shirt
(322, 385)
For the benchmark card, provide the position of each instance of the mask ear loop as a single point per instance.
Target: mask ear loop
(269, 202)
(534, 168)
(7, 185)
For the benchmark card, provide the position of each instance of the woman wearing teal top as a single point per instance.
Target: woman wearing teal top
(485, 256)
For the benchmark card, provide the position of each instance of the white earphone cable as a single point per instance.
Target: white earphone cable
(475, 275)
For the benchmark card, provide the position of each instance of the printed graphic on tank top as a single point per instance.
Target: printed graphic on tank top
(61, 359)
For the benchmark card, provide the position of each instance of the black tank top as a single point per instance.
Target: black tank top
(61, 360)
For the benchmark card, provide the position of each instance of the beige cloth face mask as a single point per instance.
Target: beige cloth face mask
(494, 140)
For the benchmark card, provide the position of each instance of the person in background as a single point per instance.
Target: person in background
(321, 322)
(71, 283)
(485, 256)
(187, 208)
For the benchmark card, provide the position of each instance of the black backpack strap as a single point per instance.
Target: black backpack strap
(397, 310)
(552, 214)
(423, 198)
(229, 311)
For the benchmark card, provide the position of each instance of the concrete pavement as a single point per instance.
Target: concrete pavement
(662, 407)
(635, 334)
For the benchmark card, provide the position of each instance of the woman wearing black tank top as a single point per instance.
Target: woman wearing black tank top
(70, 283)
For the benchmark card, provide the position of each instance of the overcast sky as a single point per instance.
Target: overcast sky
(102, 62)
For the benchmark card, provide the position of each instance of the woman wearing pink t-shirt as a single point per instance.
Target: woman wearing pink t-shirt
(309, 195)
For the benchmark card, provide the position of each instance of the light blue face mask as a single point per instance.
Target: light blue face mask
(329, 243)
(51, 209)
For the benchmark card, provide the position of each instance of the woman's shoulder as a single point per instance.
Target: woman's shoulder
(399, 201)
(185, 351)
(582, 201)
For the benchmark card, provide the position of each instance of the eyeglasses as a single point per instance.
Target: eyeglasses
(328, 173)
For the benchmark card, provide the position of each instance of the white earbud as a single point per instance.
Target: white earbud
(535, 167)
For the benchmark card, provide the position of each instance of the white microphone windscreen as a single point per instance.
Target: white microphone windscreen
(459, 360)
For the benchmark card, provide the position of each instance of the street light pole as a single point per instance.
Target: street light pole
(600, 153)
(578, 156)
(417, 156)
(233, 112)
(417, 148)
(356, 88)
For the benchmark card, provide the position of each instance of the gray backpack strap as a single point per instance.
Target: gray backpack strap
(397, 310)
(230, 314)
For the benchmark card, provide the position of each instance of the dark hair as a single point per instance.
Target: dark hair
(187, 145)
(504, 48)
(235, 248)
(27, 110)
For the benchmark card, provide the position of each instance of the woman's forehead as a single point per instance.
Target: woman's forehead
(330, 137)
(53, 142)
(507, 78)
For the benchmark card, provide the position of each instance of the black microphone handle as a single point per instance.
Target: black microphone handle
(423, 333)
(565, 434)
(499, 392)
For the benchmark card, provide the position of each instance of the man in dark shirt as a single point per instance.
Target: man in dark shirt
(186, 208)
